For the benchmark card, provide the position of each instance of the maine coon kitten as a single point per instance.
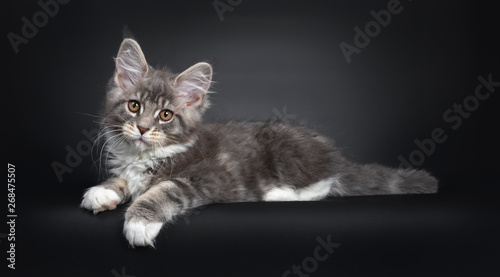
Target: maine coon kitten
(164, 161)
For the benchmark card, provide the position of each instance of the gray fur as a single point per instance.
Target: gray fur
(232, 162)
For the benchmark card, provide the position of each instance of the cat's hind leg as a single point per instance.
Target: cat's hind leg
(315, 191)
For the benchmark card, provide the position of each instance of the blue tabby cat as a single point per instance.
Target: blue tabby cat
(164, 160)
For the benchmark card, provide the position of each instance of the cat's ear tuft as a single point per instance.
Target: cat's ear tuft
(131, 64)
(192, 84)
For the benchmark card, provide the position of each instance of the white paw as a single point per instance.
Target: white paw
(139, 233)
(98, 199)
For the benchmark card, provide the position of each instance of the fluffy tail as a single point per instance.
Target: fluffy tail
(375, 179)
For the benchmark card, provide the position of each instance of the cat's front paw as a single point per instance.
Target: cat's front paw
(98, 199)
(141, 232)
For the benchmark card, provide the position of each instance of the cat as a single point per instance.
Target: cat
(164, 161)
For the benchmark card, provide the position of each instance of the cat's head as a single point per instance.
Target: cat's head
(147, 108)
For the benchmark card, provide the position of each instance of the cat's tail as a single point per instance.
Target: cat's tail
(374, 179)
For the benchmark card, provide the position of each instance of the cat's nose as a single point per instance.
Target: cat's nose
(142, 130)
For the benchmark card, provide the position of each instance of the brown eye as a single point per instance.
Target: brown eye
(166, 115)
(134, 106)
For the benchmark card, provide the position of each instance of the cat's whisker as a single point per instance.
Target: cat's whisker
(101, 135)
(108, 140)
(194, 144)
(118, 142)
(106, 131)
(236, 162)
(104, 124)
(88, 114)
(172, 163)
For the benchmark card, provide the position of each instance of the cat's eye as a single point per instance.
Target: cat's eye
(134, 106)
(165, 115)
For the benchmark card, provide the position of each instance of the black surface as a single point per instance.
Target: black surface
(270, 58)
(425, 235)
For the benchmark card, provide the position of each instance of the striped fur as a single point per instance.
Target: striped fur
(165, 168)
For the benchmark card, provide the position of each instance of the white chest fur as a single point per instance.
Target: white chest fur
(132, 164)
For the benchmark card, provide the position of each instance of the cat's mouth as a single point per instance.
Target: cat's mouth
(141, 143)
(142, 139)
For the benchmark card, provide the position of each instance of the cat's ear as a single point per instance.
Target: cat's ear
(191, 85)
(131, 64)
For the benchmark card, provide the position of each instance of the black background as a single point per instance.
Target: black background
(268, 56)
